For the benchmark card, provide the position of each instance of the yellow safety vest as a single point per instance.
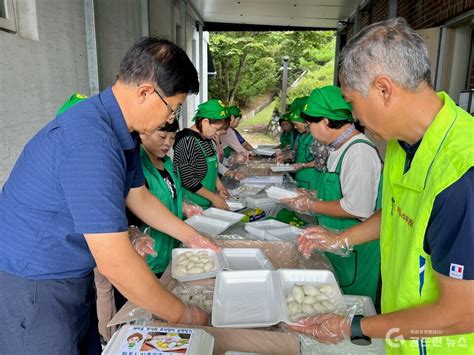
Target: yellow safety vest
(445, 154)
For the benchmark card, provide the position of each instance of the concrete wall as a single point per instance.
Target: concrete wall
(40, 67)
(118, 25)
(163, 16)
(46, 60)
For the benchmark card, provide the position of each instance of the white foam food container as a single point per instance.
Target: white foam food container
(260, 228)
(287, 234)
(259, 201)
(223, 215)
(263, 180)
(279, 193)
(208, 225)
(257, 298)
(191, 341)
(227, 259)
(246, 190)
(268, 152)
(234, 205)
(282, 168)
(364, 307)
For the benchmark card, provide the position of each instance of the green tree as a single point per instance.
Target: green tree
(248, 63)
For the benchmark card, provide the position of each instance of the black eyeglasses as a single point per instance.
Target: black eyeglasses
(175, 112)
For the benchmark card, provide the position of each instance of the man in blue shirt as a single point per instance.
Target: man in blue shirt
(62, 210)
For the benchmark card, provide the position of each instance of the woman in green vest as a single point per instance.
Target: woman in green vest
(348, 188)
(165, 185)
(307, 176)
(195, 159)
(288, 133)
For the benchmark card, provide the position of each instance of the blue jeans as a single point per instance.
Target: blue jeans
(48, 316)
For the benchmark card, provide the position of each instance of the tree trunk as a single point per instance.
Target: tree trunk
(227, 66)
(219, 78)
(238, 77)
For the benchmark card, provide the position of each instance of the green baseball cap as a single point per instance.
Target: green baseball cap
(234, 111)
(296, 107)
(74, 99)
(285, 117)
(328, 102)
(213, 109)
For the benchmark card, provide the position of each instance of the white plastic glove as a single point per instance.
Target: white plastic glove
(323, 239)
(191, 209)
(194, 315)
(200, 242)
(302, 203)
(235, 175)
(283, 155)
(327, 329)
(144, 245)
(219, 202)
(238, 158)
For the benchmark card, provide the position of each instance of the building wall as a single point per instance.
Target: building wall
(41, 66)
(471, 83)
(46, 60)
(162, 19)
(419, 13)
(118, 25)
(426, 16)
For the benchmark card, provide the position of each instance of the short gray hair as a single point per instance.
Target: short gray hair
(389, 48)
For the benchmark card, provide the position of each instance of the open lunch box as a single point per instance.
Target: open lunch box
(272, 229)
(258, 298)
(227, 259)
(214, 221)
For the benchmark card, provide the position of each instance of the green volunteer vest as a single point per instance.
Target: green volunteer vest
(209, 181)
(228, 152)
(307, 178)
(74, 99)
(358, 274)
(164, 244)
(446, 152)
(287, 139)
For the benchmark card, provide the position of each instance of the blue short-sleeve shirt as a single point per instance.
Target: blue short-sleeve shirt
(72, 178)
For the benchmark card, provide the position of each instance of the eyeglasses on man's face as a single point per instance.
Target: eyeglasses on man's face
(175, 112)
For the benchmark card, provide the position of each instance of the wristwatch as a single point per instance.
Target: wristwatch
(357, 337)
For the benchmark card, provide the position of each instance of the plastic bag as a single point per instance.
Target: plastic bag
(142, 242)
(195, 295)
(282, 255)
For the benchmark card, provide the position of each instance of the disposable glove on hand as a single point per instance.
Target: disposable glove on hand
(302, 204)
(194, 315)
(238, 158)
(143, 244)
(322, 239)
(327, 329)
(190, 209)
(199, 242)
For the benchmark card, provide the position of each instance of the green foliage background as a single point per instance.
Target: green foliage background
(248, 63)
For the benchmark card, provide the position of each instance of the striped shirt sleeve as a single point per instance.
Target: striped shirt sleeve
(190, 163)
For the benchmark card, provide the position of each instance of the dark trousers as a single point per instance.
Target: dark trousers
(48, 316)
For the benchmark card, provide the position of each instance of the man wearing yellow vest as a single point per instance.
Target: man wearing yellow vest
(426, 224)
